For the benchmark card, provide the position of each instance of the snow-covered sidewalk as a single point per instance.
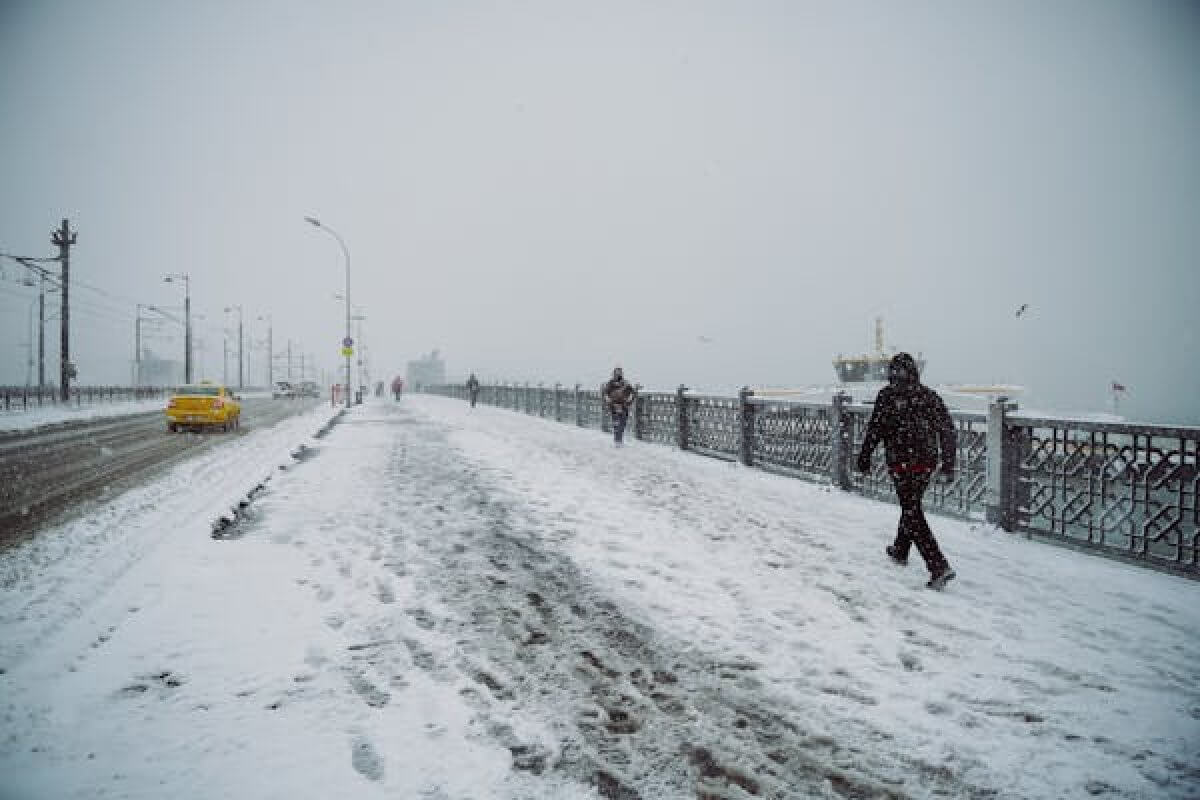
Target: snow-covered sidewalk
(441, 602)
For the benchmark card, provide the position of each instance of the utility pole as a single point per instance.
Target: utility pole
(42, 334)
(187, 320)
(238, 308)
(137, 347)
(289, 360)
(187, 330)
(64, 239)
(270, 353)
(29, 350)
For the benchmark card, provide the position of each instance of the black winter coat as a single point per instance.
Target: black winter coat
(617, 394)
(913, 423)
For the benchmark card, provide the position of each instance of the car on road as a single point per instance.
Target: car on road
(203, 405)
(283, 389)
(308, 389)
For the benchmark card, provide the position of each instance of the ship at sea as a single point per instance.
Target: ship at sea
(861, 377)
(873, 367)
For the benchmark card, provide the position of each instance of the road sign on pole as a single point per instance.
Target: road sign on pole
(347, 351)
(347, 342)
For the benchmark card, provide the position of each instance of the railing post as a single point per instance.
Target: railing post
(746, 426)
(840, 427)
(1003, 460)
(578, 408)
(681, 416)
(637, 411)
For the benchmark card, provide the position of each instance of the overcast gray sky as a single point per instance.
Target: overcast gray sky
(544, 189)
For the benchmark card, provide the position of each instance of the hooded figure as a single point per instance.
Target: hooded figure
(618, 396)
(473, 389)
(917, 433)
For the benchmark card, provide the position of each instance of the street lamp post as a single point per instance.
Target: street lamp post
(187, 321)
(346, 255)
(241, 382)
(198, 345)
(137, 347)
(29, 352)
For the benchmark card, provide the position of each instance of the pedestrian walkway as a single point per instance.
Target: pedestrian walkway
(443, 602)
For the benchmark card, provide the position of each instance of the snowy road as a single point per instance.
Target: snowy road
(445, 603)
(56, 470)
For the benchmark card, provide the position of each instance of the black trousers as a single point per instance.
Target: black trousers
(620, 416)
(914, 528)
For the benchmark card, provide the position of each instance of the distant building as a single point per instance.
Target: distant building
(157, 371)
(428, 370)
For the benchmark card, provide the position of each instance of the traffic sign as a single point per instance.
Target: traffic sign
(347, 342)
(347, 351)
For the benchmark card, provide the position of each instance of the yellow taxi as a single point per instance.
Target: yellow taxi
(201, 405)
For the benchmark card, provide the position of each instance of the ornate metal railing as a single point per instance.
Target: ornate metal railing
(1129, 488)
(658, 418)
(793, 437)
(713, 425)
(1124, 490)
(592, 410)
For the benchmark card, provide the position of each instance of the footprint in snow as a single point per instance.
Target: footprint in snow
(366, 759)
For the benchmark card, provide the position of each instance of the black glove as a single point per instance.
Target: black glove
(863, 465)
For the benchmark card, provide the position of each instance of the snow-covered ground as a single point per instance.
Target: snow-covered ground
(406, 611)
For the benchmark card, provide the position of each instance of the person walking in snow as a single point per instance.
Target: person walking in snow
(473, 389)
(916, 429)
(397, 387)
(618, 395)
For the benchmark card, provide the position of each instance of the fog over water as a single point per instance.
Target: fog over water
(708, 193)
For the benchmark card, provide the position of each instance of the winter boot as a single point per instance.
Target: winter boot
(894, 555)
(941, 578)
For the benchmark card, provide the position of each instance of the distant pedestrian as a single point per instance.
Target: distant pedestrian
(397, 387)
(917, 432)
(618, 395)
(473, 389)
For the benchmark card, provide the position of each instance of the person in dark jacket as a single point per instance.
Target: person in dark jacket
(473, 389)
(917, 433)
(618, 396)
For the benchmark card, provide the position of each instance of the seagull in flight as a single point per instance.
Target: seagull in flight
(1021, 310)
